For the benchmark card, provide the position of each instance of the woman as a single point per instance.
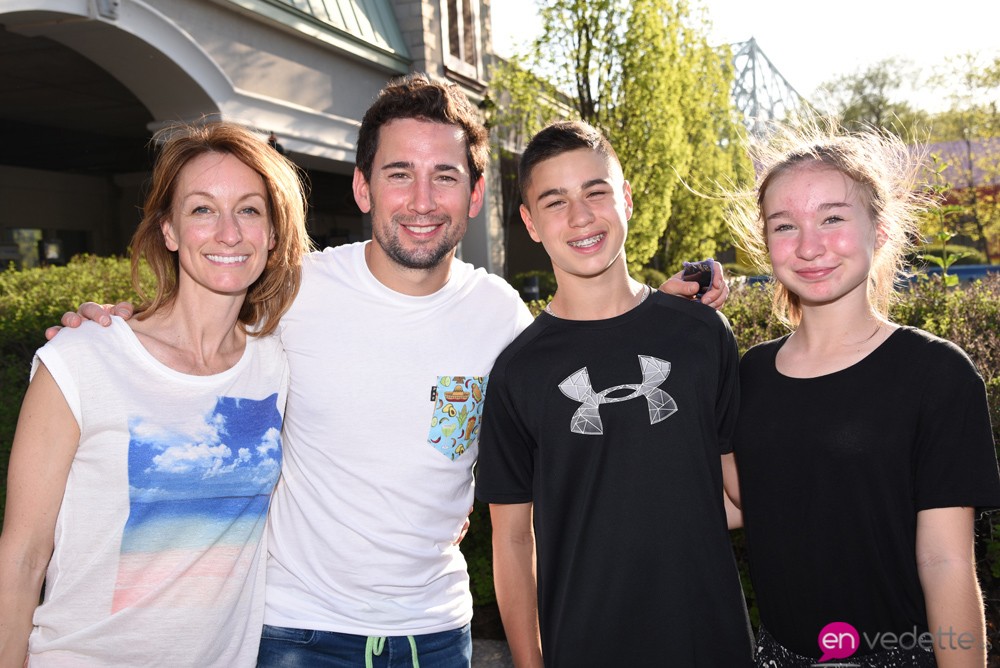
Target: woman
(863, 447)
(144, 458)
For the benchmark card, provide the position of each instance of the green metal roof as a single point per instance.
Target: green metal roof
(366, 28)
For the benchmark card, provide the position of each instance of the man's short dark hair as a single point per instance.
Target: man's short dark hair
(558, 138)
(417, 97)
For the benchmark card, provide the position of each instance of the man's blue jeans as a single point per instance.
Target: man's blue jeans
(282, 647)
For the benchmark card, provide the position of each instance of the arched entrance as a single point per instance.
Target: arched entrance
(82, 96)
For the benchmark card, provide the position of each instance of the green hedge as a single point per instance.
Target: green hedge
(34, 299)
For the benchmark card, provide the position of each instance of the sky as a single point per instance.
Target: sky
(810, 43)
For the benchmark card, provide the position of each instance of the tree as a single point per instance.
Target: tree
(967, 136)
(970, 83)
(649, 142)
(520, 104)
(871, 97)
(718, 159)
(643, 73)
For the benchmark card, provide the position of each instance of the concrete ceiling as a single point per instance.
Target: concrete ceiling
(61, 112)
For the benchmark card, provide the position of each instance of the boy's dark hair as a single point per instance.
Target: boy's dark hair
(558, 138)
(415, 96)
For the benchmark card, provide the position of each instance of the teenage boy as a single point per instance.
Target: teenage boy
(605, 431)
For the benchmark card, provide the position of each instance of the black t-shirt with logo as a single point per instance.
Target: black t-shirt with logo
(613, 430)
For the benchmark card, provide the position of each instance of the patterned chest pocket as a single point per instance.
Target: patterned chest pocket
(458, 410)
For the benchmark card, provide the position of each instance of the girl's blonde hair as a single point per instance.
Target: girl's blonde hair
(886, 172)
(272, 293)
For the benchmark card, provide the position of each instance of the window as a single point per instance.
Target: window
(462, 37)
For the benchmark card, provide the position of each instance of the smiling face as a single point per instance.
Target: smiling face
(577, 204)
(219, 225)
(820, 234)
(420, 196)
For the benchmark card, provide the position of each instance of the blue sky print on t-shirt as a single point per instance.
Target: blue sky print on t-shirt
(199, 488)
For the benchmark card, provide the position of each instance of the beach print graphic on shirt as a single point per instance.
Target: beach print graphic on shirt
(199, 488)
(458, 407)
(587, 418)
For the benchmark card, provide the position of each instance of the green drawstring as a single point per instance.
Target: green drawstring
(373, 646)
(376, 644)
(413, 651)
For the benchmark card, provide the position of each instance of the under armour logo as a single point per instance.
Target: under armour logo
(587, 418)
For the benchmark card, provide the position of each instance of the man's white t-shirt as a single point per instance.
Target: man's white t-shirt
(381, 434)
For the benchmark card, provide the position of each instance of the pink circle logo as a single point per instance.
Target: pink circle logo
(838, 640)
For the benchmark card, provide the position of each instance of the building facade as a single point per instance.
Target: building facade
(84, 84)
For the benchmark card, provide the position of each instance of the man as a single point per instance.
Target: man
(389, 344)
(605, 438)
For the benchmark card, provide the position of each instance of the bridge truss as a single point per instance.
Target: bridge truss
(760, 92)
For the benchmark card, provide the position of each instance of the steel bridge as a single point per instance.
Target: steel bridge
(760, 92)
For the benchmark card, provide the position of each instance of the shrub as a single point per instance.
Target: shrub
(970, 317)
(13, 382)
(654, 278)
(734, 269)
(477, 547)
(536, 306)
(963, 254)
(749, 312)
(32, 300)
